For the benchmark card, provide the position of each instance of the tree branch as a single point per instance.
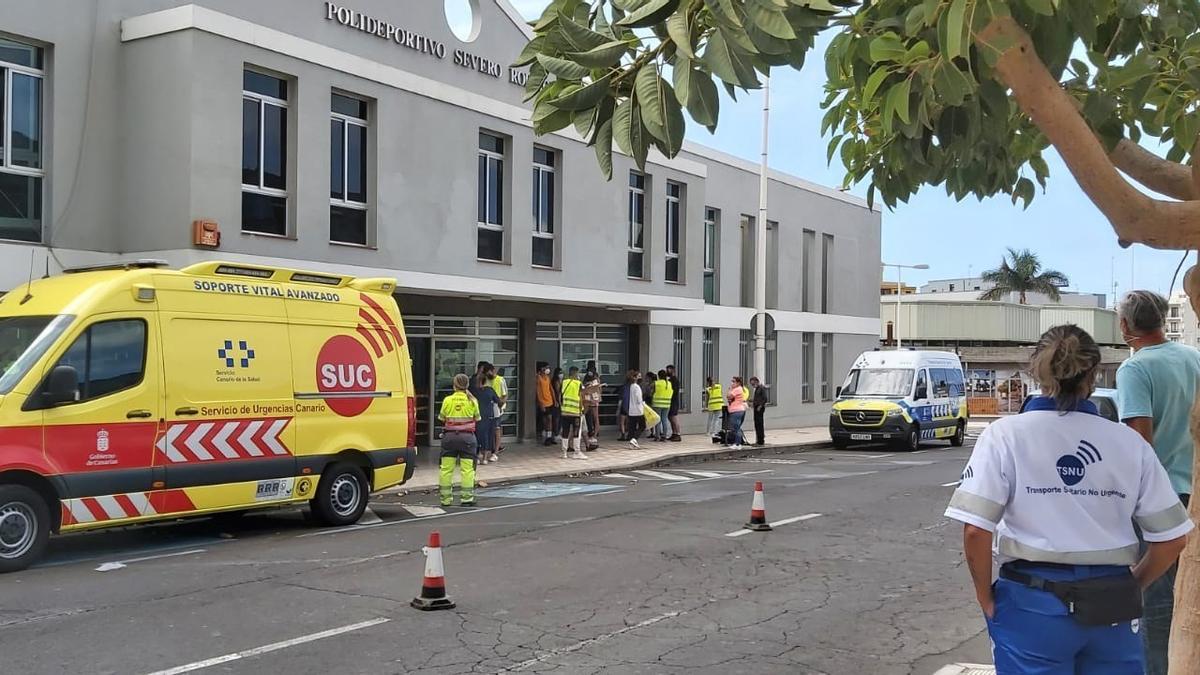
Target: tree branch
(1163, 176)
(1134, 216)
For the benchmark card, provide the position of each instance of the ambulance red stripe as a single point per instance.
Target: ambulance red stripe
(370, 302)
(379, 329)
(366, 335)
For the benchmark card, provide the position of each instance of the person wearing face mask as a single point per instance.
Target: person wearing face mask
(1156, 388)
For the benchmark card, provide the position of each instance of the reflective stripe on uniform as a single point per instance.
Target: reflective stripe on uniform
(1167, 519)
(1125, 555)
(976, 505)
(459, 412)
(571, 396)
(715, 400)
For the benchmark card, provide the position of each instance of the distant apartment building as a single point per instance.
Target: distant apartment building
(969, 288)
(1182, 323)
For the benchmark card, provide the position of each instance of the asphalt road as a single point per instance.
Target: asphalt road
(618, 573)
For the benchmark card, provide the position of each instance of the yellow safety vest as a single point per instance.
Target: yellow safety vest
(663, 393)
(715, 399)
(570, 397)
(459, 412)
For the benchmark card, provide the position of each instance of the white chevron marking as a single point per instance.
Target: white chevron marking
(193, 441)
(246, 439)
(221, 442)
(167, 443)
(271, 438)
(113, 509)
(141, 503)
(79, 511)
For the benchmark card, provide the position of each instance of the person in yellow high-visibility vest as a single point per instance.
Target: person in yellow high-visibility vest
(572, 408)
(714, 401)
(661, 402)
(459, 415)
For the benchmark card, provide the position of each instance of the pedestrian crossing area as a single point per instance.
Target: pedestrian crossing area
(674, 475)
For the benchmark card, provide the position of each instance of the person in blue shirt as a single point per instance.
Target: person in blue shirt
(1156, 388)
(485, 429)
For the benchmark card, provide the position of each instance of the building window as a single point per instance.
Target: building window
(264, 154)
(348, 170)
(747, 272)
(826, 366)
(712, 218)
(770, 377)
(681, 354)
(674, 228)
(709, 343)
(21, 167)
(543, 207)
(807, 244)
(637, 225)
(826, 259)
(491, 198)
(806, 376)
(772, 255)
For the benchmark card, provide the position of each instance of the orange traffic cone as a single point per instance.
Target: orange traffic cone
(758, 511)
(433, 588)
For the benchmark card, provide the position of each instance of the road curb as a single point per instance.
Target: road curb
(693, 456)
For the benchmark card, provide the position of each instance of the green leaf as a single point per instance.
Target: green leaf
(649, 14)
(887, 47)
(529, 54)
(954, 29)
(771, 21)
(547, 119)
(585, 97)
(584, 121)
(917, 52)
(562, 68)
(898, 95)
(1043, 7)
(629, 133)
(728, 63)
(832, 148)
(914, 21)
(602, 142)
(1142, 65)
(724, 12)
(535, 80)
(681, 32)
(704, 104)
(1040, 169)
(877, 77)
(605, 56)
(1025, 190)
(661, 113)
(951, 84)
(580, 37)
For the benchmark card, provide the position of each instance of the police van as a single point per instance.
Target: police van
(134, 393)
(902, 397)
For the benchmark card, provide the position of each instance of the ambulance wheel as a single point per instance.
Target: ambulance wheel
(960, 436)
(341, 495)
(912, 442)
(24, 527)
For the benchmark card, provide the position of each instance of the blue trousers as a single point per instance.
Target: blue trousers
(1032, 633)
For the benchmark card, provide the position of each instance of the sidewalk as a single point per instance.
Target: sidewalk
(529, 460)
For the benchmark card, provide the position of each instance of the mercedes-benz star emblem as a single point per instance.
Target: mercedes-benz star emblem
(861, 416)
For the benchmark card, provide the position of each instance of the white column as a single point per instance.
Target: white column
(760, 248)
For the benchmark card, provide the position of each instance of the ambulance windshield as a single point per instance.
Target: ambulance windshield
(23, 341)
(887, 382)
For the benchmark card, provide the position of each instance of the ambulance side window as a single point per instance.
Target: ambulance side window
(110, 356)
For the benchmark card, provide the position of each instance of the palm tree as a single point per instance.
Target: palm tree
(1021, 272)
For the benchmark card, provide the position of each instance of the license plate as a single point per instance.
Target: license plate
(860, 437)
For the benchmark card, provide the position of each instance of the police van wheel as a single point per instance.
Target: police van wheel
(341, 495)
(24, 527)
(960, 436)
(912, 442)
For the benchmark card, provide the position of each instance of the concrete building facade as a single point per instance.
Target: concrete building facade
(368, 139)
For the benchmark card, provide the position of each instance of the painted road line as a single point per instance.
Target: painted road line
(356, 528)
(266, 649)
(620, 475)
(918, 452)
(771, 460)
(785, 521)
(952, 484)
(660, 475)
(890, 454)
(110, 566)
(728, 475)
(423, 511)
(705, 474)
(590, 641)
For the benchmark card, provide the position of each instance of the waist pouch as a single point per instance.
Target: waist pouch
(1101, 601)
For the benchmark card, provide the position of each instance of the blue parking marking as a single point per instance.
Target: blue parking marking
(543, 490)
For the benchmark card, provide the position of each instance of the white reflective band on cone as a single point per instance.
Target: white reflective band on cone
(758, 503)
(433, 562)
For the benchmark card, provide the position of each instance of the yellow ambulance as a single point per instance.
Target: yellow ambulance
(132, 393)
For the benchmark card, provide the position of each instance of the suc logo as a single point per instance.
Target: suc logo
(1072, 468)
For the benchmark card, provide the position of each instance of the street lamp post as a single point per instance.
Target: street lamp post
(900, 290)
(760, 248)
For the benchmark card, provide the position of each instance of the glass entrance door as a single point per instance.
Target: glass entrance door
(450, 357)
(577, 354)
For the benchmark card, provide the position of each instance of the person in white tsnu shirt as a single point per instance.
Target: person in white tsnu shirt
(1056, 491)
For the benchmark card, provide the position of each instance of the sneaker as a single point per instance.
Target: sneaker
(494, 458)
(579, 455)
(633, 442)
(676, 437)
(467, 504)
(737, 446)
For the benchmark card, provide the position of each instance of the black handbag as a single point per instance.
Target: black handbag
(1102, 601)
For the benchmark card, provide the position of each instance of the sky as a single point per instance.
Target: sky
(956, 239)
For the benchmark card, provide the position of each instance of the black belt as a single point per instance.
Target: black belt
(1008, 571)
